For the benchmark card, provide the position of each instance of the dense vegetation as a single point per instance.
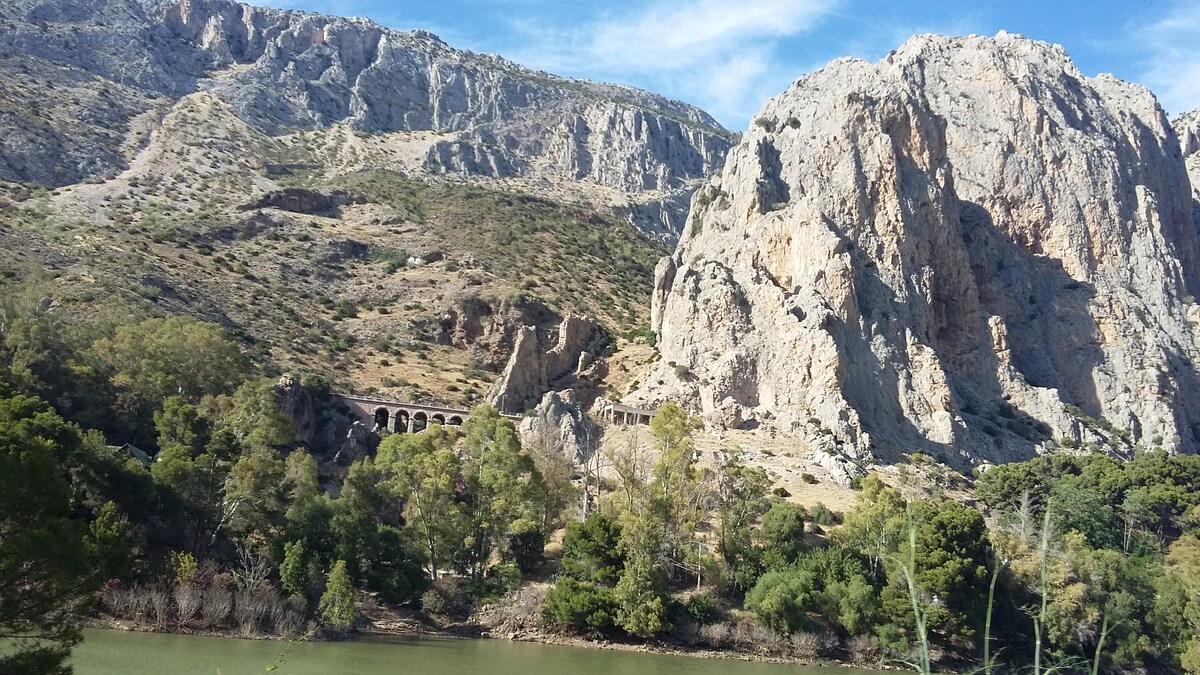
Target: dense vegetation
(228, 527)
(1070, 562)
(1080, 563)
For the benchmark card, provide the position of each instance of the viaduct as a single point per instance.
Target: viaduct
(404, 418)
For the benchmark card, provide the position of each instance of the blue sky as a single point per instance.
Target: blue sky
(729, 56)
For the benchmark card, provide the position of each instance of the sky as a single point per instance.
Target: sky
(729, 56)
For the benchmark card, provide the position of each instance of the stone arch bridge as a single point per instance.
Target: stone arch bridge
(404, 418)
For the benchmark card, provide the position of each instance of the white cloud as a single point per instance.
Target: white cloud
(719, 54)
(1173, 67)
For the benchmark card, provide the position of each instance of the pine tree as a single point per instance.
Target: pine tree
(337, 603)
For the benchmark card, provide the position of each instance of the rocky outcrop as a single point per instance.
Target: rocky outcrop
(559, 425)
(533, 369)
(968, 248)
(1187, 127)
(324, 427)
(74, 95)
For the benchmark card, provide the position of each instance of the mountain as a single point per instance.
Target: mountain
(83, 79)
(366, 204)
(968, 249)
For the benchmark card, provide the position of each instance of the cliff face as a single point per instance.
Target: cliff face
(1187, 127)
(88, 71)
(969, 249)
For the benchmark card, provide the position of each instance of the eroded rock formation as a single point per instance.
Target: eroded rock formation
(968, 248)
(559, 425)
(535, 368)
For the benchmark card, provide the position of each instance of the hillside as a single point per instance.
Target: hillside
(336, 193)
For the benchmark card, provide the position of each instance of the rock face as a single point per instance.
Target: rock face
(533, 369)
(1187, 127)
(559, 423)
(106, 63)
(968, 248)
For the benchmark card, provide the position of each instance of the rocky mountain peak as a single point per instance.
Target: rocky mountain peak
(110, 63)
(968, 248)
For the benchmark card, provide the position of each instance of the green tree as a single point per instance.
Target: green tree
(591, 550)
(662, 520)
(254, 504)
(1176, 613)
(500, 478)
(783, 534)
(155, 359)
(551, 488)
(300, 477)
(742, 499)
(641, 599)
(252, 415)
(782, 597)
(950, 576)
(180, 423)
(45, 572)
(1083, 510)
(582, 607)
(875, 526)
(421, 470)
(111, 544)
(193, 486)
(336, 607)
(296, 570)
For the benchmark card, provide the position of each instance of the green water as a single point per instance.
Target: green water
(107, 652)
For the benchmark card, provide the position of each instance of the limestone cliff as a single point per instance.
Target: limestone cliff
(80, 77)
(1187, 127)
(968, 248)
(535, 368)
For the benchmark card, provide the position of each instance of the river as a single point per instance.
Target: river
(111, 652)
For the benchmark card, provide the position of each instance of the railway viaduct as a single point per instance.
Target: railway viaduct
(404, 418)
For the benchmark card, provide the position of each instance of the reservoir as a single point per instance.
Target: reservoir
(111, 652)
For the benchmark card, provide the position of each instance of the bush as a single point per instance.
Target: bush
(526, 547)
(702, 608)
(445, 597)
(497, 582)
(822, 515)
(582, 607)
(783, 529)
(808, 478)
(781, 599)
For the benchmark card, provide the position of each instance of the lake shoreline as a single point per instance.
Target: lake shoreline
(420, 626)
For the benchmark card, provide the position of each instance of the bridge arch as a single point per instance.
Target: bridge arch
(438, 418)
(455, 421)
(382, 418)
(420, 421)
(402, 419)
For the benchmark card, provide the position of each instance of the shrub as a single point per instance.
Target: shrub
(496, 582)
(445, 597)
(864, 650)
(581, 607)
(184, 566)
(526, 547)
(781, 599)
(808, 478)
(702, 608)
(822, 515)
